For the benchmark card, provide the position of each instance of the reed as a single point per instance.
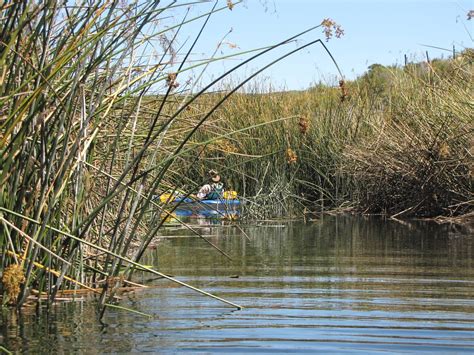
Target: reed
(417, 155)
(95, 122)
(396, 141)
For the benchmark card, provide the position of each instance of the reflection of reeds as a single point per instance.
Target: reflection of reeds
(84, 144)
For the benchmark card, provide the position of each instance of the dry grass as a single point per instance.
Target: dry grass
(398, 140)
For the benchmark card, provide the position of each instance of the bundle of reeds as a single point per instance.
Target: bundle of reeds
(70, 73)
(94, 124)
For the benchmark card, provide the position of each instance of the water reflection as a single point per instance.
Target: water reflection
(339, 284)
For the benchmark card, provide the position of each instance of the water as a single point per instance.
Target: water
(338, 285)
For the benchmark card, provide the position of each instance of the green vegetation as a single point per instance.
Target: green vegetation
(86, 143)
(91, 130)
(396, 141)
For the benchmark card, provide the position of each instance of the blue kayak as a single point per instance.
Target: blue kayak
(207, 208)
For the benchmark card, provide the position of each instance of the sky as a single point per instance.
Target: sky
(376, 31)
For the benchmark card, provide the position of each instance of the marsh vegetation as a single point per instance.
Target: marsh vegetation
(94, 124)
(398, 141)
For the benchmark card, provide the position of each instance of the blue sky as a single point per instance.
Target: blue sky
(380, 31)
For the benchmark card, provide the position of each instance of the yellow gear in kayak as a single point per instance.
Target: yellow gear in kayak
(167, 197)
(230, 195)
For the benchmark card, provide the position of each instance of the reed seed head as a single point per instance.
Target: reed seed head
(291, 156)
(171, 81)
(12, 279)
(342, 86)
(444, 150)
(303, 125)
(329, 26)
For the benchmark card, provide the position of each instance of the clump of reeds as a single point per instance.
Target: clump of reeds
(395, 141)
(417, 158)
(95, 122)
(77, 170)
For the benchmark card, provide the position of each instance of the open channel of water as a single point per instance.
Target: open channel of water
(340, 284)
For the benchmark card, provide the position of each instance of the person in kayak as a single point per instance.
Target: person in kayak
(214, 189)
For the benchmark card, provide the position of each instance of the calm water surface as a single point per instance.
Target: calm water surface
(338, 285)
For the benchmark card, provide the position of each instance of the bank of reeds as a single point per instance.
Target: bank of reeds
(417, 159)
(397, 141)
(95, 122)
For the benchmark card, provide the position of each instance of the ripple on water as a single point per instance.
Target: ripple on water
(343, 285)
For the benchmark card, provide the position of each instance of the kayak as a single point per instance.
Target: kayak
(207, 208)
(226, 206)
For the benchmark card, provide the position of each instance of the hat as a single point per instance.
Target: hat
(214, 176)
